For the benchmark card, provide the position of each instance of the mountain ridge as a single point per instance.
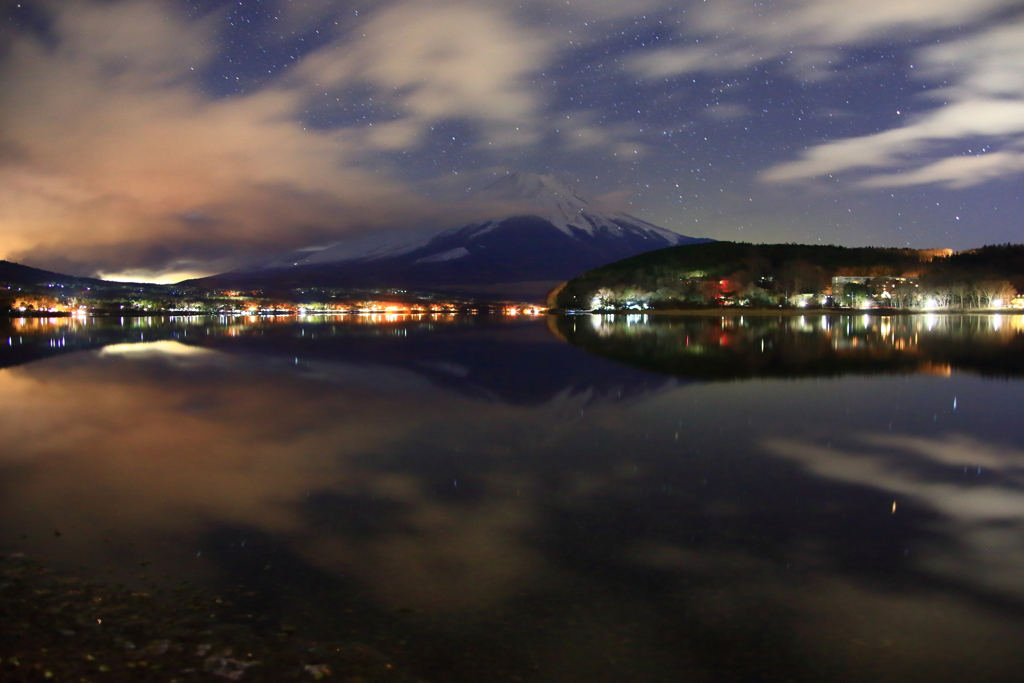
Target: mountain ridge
(20, 274)
(557, 232)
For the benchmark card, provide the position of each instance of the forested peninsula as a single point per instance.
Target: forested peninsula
(736, 274)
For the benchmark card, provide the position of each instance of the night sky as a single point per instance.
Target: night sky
(157, 140)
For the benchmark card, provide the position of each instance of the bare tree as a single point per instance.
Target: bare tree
(990, 291)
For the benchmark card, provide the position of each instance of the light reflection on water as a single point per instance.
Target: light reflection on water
(739, 346)
(853, 509)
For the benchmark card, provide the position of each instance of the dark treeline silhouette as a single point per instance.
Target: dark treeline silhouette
(741, 274)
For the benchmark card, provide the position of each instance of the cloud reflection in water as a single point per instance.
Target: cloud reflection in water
(142, 445)
(602, 522)
(977, 488)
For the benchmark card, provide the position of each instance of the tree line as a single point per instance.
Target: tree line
(738, 274)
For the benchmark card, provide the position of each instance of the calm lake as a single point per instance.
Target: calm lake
(472, 499)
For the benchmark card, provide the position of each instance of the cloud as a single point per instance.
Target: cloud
(113, 158)
(301, 17)
(116, 159)
(985, 100)
(982, 119)
(604, 9)
(117, 156)
(955, 172)
(431, 61)
(836, 22)
(973, 137)
(726, 112)
(581, 131)
(730, 34)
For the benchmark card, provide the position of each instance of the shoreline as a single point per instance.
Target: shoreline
(788, 312)
(673, 312)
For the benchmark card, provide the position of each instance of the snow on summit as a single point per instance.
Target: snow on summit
(541, 191)
(544, 231)
(568, 209)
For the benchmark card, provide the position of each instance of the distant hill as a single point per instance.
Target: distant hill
(731, 270)
(561, 233)
(17, 274)
(1001, 260)
(29, 289)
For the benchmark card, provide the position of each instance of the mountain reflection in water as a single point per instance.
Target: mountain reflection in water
(482, 501)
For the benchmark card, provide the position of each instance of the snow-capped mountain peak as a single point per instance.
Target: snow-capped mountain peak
(570, 210)
(547, 196)
(542, 231)
(542, 190)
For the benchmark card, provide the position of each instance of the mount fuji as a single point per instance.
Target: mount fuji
(556, 233)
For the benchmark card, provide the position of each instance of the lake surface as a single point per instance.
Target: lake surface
(583, 498)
